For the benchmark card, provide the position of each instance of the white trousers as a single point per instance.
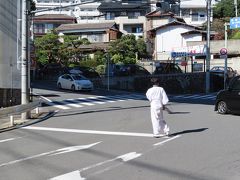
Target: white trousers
(158, 123)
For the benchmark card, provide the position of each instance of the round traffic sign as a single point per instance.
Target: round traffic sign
(223, 51)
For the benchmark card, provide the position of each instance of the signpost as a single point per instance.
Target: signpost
(223, 55)
(235, 23)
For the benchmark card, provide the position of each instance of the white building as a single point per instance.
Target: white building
(85, 13)
(194, 12)
(172, 36)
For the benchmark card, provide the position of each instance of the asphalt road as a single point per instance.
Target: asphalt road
(108, 135)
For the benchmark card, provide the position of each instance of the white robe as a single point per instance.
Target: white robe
(158, 97)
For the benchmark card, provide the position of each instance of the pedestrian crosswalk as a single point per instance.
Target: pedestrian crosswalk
(91, 101)
(99, 100)
(211, 96)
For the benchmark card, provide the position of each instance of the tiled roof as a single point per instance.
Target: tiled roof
(53, 16)
(89, 26)
(194, 32)
(158, 13)
(173, 23)
(106, 6)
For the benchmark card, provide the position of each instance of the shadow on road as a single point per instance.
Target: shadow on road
(189, 131)
(100, 110)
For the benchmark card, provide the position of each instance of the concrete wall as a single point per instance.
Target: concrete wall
(10, 79)
(215, 46)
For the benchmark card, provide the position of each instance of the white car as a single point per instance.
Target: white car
(74, 82)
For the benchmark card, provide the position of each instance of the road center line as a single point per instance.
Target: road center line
(89, 131)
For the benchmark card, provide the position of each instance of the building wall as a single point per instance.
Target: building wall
(10, 79)
(169, 37)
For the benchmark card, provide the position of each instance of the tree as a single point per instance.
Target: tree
(70, 51)
(126, 49)
(50, 50)
(47, 48)
(225, 8)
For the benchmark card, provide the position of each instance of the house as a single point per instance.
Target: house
(84, 13)
(129, 16)
(43, 24)
(171, 36)
(193, 12)
(99, 34)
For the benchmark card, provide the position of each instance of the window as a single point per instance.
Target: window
(48, 27)
(133, 15)
(185, 12)
(95, 38)
(39, 28)
(137, 29)
(202, 17)
(236, 85)
(109, 16)
(194, 16)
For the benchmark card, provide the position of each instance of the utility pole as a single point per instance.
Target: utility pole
(235, 5)
(25, 60)
(25, 76)
(208, 55)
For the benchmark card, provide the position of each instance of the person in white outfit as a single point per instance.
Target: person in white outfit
(158, 99)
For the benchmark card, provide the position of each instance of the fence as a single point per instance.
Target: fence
(172, 83)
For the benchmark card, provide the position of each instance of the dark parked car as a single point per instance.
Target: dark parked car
(167, 68)
(85, 71)
(229, 100)
(219, 70)
(129, 70)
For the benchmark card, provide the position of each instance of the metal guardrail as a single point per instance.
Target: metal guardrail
(18, 109)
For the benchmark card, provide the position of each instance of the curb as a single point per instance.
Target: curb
(22, 123)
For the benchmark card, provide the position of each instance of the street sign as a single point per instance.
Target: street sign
(223, 53)
(187, 51)
(235, 23)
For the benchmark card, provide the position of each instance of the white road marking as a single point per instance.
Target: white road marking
(46, 98)
(10, 139)
(76, 175)
(170, 139)
(196, 96)
(50, 153)
(89, 131)
(58, 106)
(85, 103)
(74, 104)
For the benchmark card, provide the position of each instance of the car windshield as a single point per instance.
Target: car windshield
(220, 69)
(77, 77)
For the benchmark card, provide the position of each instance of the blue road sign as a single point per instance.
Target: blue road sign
(235, 23)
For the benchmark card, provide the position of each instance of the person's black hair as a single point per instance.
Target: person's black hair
(155, 81)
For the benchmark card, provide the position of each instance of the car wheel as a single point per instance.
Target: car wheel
(73, 88)
(59, 86)
(222, 107)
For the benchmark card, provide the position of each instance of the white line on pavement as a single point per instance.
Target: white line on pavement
(51, 153)
(89, 131)
(76, 175)
(170, 139)
(10, 139)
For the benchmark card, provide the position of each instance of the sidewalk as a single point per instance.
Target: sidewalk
(5, 124)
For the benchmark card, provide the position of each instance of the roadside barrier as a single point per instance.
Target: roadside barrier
(18, 109)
